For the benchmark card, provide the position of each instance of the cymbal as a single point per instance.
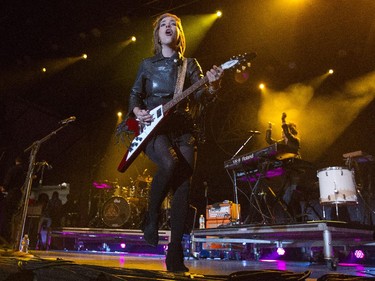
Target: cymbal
(111, 182)
(147, 179)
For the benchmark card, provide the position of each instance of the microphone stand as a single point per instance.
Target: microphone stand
(235, 178)
(248, 139)
(33, 148)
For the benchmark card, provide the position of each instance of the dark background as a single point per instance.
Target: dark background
(295, 41)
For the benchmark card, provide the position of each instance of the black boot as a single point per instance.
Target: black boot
(150, 230)
(175, 258)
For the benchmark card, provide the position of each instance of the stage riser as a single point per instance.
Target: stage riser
(105, 240)
(112, 245)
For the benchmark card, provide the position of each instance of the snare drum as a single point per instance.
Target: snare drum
(337, 186)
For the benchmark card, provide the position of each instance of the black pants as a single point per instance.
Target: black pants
(175, 158)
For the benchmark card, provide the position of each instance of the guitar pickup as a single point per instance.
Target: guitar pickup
(159, 112)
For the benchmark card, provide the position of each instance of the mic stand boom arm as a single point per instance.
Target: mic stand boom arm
(248, 139)
(235, 179)
(33, 148)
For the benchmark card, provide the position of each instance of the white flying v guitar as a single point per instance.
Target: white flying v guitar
(144, 132)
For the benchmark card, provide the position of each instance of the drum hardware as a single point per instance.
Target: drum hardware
(166, 213)
(133, 191)
(165, 220)
(166, 204)
(122, 191)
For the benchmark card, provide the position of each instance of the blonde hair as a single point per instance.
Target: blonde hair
(156, 40)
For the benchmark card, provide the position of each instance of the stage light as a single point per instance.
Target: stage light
(127, 42)
(84, 56)
(280, 251)
(330, 71)
(123, 245)
(219, 14)
(359, 254)
(262, 86)
(44, 69)
(119, 114)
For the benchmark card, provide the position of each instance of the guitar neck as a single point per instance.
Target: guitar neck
(184, 94)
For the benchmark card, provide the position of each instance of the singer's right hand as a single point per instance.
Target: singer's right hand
(143, 116)
(269, 125)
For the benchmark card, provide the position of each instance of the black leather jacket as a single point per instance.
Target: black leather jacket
(155, 84)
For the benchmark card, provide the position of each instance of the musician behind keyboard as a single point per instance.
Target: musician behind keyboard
(289, 135)
(290, 138)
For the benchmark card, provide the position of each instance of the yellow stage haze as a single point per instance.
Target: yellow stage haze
(320, 120)
(328, 116)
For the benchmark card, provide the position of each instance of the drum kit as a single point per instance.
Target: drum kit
(122, 206)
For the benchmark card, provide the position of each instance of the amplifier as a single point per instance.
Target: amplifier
(227, 211)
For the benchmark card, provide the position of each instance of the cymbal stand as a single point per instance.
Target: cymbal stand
(33, 148)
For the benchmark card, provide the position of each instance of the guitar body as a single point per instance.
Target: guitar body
(132, 125)
(142, 135)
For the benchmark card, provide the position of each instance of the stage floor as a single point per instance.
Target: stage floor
(211, 254)
(74, 263)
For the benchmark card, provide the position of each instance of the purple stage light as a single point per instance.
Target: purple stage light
(359, 254)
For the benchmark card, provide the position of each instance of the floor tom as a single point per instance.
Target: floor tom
(337, 186)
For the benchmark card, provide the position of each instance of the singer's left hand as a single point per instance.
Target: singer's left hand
(214, 77)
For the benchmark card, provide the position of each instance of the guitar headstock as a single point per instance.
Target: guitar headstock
(240, 62)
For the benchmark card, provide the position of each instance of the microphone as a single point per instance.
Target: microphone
(254, 132)
(68, 120)
(49, 166)
(44, 163)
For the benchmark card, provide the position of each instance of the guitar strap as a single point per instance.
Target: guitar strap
(180, 77)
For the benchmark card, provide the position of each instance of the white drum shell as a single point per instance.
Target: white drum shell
(337, 186)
